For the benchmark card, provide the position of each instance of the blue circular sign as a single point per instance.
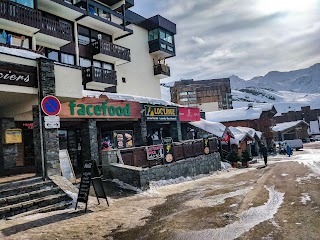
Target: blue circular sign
(51, 105)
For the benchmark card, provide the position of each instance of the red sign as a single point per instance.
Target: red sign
(51, 105)
(187, 114)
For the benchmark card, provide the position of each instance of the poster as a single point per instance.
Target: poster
(206, 148)
(168, 150)
(123, 139)
(154, 152)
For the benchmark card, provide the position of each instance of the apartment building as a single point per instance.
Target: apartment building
(208, 95)
(60, 48)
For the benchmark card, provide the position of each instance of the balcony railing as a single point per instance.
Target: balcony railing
(110, 49)
(33, 18)
(56, 29)
(161, 69)
(19, 13)
(95, 74)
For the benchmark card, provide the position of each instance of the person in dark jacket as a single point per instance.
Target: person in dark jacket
(264, 152)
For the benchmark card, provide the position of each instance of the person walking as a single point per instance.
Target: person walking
(264, 152)
(289, 150)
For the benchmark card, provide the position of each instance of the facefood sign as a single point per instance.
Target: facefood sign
(100, 108)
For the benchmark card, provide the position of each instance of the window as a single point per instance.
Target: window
(153, 34)
(53, 55)
(85, 62)
(67, 58)
(86, 35)
(27, 3)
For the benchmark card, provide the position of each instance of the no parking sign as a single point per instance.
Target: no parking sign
(50, 105)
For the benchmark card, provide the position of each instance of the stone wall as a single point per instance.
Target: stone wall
(141, 177)
(8, 152)
(89, 140)
(50, 136)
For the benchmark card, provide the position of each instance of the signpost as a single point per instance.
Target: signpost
(50, 105)
(90, 174)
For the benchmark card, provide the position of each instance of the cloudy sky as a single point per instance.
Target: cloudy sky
(247, 38)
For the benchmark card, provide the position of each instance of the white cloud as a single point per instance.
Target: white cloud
(224, 37)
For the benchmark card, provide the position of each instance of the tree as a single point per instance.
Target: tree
(233, 156)
(246, 156)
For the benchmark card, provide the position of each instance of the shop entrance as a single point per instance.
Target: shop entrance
(156, 132)
(25, 156)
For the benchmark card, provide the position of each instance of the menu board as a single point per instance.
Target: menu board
(90, 174)
(85, 182)
(123, 139)
(154, 152)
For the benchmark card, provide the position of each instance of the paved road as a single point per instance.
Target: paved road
(281, 201)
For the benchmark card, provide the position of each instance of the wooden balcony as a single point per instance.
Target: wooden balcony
(108, 52)
(98, 78)
(161, 71)
(26, 19)
(19, 17)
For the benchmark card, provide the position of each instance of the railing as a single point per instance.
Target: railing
(181, 150)
(19, 13)
(95, 74)
(110, 49)
(56, 29)
(30, 17)
(161, 69)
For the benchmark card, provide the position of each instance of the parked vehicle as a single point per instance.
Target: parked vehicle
(295, 143)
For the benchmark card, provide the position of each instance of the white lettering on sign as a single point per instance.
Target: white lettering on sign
(13, 77)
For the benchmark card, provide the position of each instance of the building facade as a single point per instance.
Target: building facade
(310, 116)
(60, 48)
(208, 95)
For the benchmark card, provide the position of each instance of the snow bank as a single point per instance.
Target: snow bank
(247, 220)
(225, 165)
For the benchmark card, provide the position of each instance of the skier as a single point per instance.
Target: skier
(289, 150)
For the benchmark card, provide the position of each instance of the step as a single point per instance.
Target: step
(19, 183)
(21, 207)
(25, 188)
(5, 201)
(53, 207)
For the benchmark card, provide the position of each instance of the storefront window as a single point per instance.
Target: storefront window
(27, 3)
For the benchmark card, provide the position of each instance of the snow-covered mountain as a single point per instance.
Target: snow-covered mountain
(304, 80)
(288, 91)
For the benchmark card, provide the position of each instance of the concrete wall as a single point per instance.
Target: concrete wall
(140, 79)
(141, 177)
(68, 81)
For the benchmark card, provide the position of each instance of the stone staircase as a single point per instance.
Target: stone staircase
(31, 196)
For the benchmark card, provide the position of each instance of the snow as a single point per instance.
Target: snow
(304, 198)
(215, 128)
(314, 127)
(247, 220)
(216, 200)
(73, 195)
(128, 97)
(20, 53)
(284, 174)
(239, 135)
(286, 125)
(156, 184)
(225, 165)
(236, 114)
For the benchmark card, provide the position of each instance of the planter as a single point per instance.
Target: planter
(245, 164)
(234, 164)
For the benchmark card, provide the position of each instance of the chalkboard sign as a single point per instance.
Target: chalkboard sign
(66, 165)
(90, 174)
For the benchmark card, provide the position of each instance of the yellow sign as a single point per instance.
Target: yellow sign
(13, 136)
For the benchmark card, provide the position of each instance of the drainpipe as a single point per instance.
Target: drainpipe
(41, 126)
